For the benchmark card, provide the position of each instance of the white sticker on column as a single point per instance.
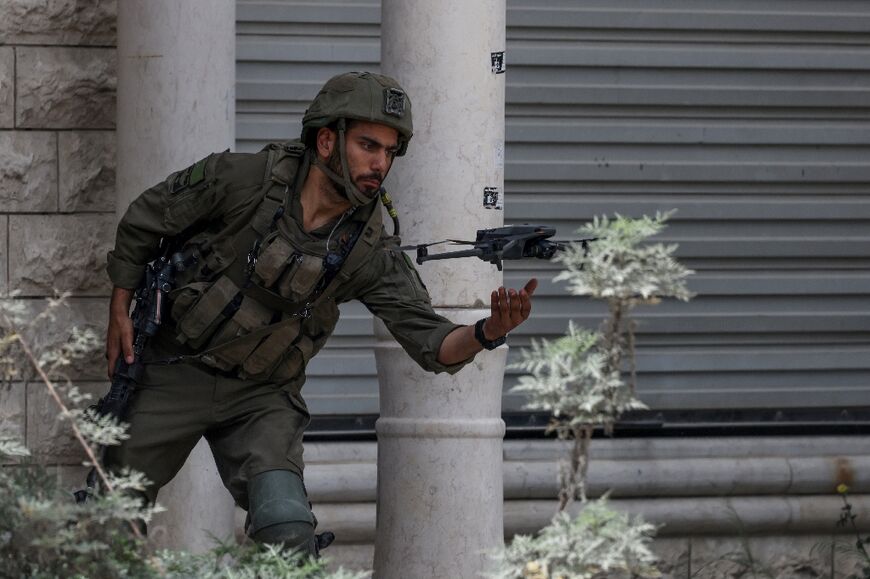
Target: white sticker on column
(497, 62)
(492, 198)
(498, 154)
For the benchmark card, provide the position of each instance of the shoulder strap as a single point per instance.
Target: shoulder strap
(282, 167)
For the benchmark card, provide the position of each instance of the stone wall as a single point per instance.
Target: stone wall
(57, 198)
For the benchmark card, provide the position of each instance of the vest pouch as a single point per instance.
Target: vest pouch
(294, 360)
(263, 360)
(272, 260)
(222, 254)
(301, 277)
(200, 321)
(250, 316)
(184, 297)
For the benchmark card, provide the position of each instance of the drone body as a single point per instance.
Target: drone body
(500, 243)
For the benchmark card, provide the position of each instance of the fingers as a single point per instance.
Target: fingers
(500, 313)
(526, 297)
(119, 339)
(127, 342)
(531, 286)
(111, 356)
(525, 303)
(515, 308)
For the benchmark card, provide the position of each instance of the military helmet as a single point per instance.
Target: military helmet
(362, 96)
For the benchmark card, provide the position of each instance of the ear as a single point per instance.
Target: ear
(326, 141)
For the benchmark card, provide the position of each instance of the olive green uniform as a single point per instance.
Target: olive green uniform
(252, 413)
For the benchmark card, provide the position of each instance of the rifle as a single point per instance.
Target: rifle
(150, 300)
(496, 245)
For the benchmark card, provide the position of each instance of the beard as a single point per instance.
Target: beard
(334, 164)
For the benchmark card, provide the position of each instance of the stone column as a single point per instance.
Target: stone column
(440, 437)
(176, 104)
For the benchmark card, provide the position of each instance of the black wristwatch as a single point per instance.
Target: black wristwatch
(488, 344)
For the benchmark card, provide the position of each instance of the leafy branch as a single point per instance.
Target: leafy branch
(82, 343)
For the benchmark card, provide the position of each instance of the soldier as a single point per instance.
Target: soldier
(272, 242)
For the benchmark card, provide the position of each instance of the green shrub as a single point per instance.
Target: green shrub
(598, 543)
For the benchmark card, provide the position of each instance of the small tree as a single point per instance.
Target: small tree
(579, 378)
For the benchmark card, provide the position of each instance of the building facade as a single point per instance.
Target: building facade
(750, 118)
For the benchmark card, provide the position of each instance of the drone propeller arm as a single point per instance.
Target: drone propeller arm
(449, 255)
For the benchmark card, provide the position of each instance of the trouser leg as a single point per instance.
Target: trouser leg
(170, 412)
(257, 445)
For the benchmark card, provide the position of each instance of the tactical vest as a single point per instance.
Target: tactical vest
(245, 293)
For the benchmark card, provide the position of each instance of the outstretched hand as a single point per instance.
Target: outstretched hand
(509, 309)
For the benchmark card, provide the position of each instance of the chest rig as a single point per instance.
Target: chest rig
(247, 291)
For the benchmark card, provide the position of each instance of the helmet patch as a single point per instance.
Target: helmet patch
(394, 102)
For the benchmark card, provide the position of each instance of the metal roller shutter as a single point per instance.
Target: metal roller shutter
(749, 117)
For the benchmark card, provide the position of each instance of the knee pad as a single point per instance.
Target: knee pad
(279, 511)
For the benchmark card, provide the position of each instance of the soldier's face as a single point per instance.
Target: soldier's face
(371, 149)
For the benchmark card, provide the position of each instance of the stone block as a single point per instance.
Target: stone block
(7, 87)
(674, 556)
(59, 22)
(354, 558)
(777, 557)
(28, 171)
(60, 252)
(86, 171)
(46, 333)
(49, 437)
(65, 87)
(4, 253)
(70, 478)
(849, 563)
(12, 414)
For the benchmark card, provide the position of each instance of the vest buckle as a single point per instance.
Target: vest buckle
(305, 312)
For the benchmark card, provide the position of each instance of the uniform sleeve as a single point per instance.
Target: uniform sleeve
(181, 201)
(398, 297)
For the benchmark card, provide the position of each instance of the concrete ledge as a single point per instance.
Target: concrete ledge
(440, 428)
(700, 447)
(355, 522)
(356, 481)
(635, 448)
(709, 557)
(712, 515)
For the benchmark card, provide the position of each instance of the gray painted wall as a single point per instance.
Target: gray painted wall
(749, 117)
